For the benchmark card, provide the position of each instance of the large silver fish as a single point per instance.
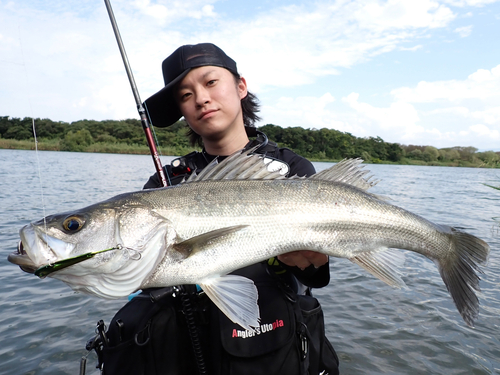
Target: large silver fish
(235, 214)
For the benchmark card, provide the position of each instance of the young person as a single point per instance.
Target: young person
(179, 330)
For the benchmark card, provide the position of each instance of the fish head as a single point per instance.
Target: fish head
(106, 249)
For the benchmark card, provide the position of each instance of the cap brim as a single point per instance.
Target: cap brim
(161, 107)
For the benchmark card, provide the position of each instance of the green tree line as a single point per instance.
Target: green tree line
(123, 136)
(127, 136)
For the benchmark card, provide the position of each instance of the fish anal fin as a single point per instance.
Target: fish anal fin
(382, 265)
(237, 297)
(194, 244)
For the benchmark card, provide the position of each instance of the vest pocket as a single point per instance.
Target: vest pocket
(269, 349)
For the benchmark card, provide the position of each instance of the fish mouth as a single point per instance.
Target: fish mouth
(47, 248)
(22, 259)
(40, 254)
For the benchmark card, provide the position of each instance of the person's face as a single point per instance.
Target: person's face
(210, 100)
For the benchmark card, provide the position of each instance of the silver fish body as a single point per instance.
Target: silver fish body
(236, 214)
(275, 217)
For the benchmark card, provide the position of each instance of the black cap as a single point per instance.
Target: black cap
(161, 107)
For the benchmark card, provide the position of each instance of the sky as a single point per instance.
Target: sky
(423, 72)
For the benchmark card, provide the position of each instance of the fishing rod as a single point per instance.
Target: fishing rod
(140, 108)
(185, 299)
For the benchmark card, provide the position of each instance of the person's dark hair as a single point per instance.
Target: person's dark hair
(250, 107)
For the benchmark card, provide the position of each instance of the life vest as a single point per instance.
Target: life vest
(150, 335)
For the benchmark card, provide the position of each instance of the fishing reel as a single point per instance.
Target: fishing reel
(186, 164)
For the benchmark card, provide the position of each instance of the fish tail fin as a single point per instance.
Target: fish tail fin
(459, 271)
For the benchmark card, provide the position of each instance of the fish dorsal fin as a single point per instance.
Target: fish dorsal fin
(348, 171)
(242, 165)
(237, 297)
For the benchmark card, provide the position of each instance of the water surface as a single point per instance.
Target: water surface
(375, 329)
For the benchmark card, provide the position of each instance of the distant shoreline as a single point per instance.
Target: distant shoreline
(136, 149)
(322, 145)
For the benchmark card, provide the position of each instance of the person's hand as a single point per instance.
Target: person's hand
(303, 259)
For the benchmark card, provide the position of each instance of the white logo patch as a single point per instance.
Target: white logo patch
(274, 165)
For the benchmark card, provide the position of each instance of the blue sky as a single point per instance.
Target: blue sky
(421, 72)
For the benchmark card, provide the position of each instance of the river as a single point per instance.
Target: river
(375, 329)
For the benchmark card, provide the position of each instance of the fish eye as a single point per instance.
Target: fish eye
(73, 224)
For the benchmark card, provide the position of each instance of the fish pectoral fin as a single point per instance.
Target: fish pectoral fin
(236, 296)
(382, 265)
(194, 244)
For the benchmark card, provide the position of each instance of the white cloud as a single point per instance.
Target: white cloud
(208, 11)
(428, 114)
(490, 116)
(158, 11)
(314, 40)
(303, 42)
(403, 14)
(483, 84)
(310, 112)
(400, 118)
(464, 31)
(464, 3)
(288, 112)
(412, 49)
(171, 11)
(484, 131)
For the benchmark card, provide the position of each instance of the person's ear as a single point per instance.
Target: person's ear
(242, 88)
